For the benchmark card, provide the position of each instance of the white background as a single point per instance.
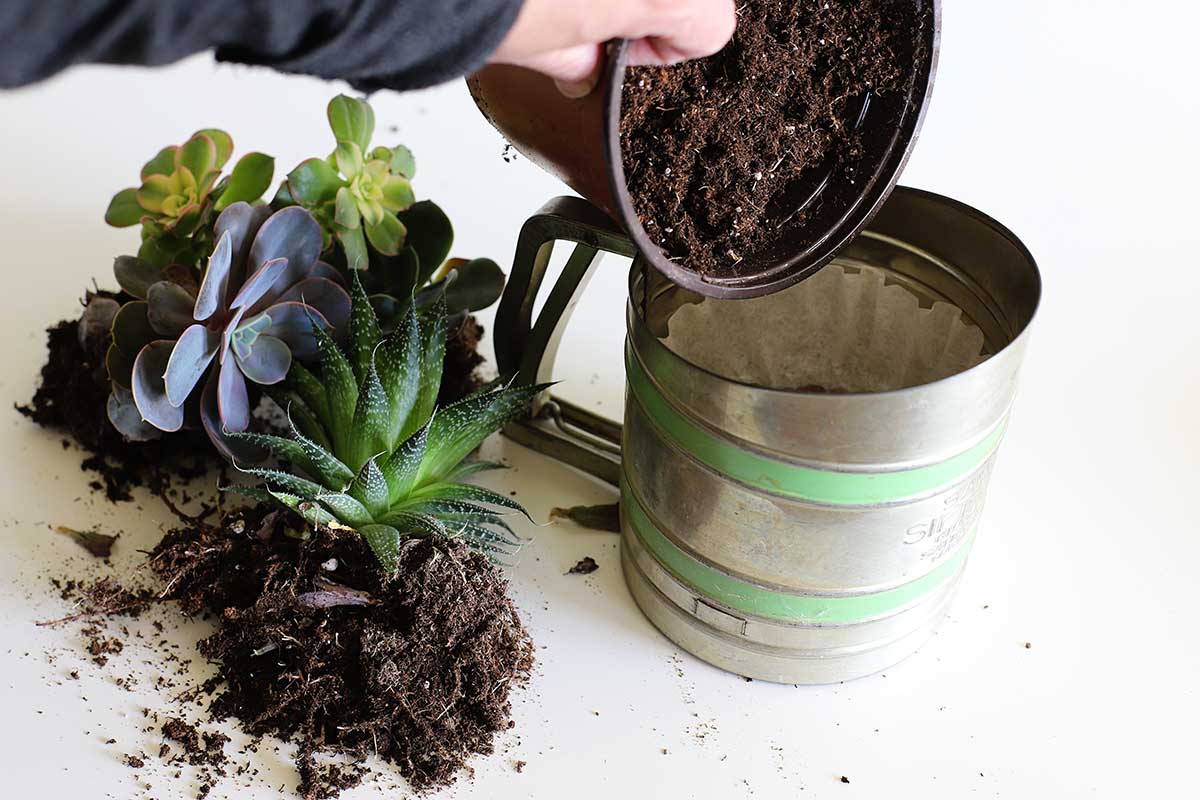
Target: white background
(1075, 123)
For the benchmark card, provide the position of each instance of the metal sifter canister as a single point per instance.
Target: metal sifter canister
(805, 453)
(801, 534)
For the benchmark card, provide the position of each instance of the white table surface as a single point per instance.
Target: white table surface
(1073, 122)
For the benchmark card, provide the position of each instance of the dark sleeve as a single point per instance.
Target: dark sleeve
(397, 44)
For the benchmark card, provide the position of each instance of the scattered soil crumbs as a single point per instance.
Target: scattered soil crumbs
(73, 398)
(134, 762)
(419, 675)
(711, 147)
(586, 566)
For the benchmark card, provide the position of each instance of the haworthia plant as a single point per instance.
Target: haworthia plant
(372, 452)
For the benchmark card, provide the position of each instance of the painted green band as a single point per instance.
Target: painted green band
(751, 599)
(803, 483)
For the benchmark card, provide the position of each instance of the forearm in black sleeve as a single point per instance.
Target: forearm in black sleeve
(398, 44)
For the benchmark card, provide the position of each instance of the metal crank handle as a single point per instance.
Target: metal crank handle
(526, 349)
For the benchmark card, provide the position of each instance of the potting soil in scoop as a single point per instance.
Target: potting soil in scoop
(709, 145)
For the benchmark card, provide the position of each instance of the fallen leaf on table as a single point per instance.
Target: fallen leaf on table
(98, 544)
(597, 518)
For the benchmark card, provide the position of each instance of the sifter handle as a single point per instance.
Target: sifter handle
(526, 349)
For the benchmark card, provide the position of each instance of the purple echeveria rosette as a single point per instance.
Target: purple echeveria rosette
(250, 316)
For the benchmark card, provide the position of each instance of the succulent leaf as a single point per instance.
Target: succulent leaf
(292, 234)
(223, 142)
(387, 235)
(189, 360)
(123, 209)
(351, 120)
(250, 178)
(397, 193)
(314, 182)
(233, 398)
(241, 221)
(163, 163)
(468, 492)
(400, 371)
(260, 284)
(266, 361)
(119, 367)
(310, 390)
(460, 428)
(198, 155)
(433, 359)
(132, 329)
(325, 296)
(95, 323)
(340, 388)
(328, 468)
(370, 488)
(384, 541)
(124, 415)
(474, 285)
(169, 308)
(402, 162)
(306, 489)
(346, 213)
(468, 468)
(346, 508)
(355, 245)
(430, 234)
(135, 276)
(214, 289)
(154, 192)
(149, 389)
(400, 470)
(286, 449)
(370, 428)
(364, 334)
(422, 524)
(349, 156)
(210, 419)
(301, 416)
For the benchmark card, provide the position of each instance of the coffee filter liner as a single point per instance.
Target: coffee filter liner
(845, 329)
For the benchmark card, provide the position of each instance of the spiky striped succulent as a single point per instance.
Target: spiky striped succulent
(375, 454)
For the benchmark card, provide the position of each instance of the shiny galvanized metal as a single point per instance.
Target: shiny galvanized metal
(791, 536)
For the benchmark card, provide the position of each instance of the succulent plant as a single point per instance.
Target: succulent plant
(180, 193)
(263, 294)
(375, 455)
(357, 191)
(363, 198)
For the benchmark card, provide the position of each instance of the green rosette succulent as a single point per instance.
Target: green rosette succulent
(182, 190)
(358, 190)
(364, 200)
(372, 452)
(264, 291)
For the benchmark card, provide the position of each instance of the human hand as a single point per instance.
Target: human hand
(565, 38)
